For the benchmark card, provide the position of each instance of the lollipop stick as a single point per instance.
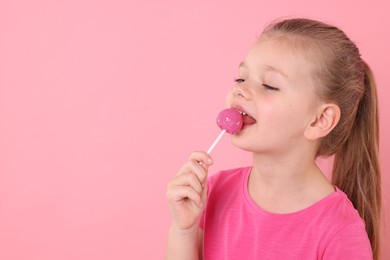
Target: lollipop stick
(216, 141)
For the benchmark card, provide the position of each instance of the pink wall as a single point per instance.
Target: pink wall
(102, 101)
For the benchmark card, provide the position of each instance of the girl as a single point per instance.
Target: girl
(304, 92)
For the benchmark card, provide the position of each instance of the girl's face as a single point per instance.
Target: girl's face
(275, 87)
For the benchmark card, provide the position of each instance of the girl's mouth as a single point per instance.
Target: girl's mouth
(247, 119)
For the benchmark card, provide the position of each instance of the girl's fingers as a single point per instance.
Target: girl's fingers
(204, 194)
(178, 193)
(195, 168)
(187, 179)
(198, 163)
(201, 157)
(190, 181)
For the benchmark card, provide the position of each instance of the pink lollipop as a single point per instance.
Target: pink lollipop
(229, 120)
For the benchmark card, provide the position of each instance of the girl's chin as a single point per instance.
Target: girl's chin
(246, 126)
(238, 141)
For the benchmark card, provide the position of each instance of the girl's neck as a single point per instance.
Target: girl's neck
(287, 185)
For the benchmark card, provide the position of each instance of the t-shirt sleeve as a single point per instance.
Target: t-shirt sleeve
(350, 243)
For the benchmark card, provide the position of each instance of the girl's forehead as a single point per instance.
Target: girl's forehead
(279, 53)
(278, 45)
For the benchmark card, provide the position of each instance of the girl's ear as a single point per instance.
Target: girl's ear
(326, 119)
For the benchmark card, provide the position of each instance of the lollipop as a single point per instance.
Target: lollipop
(229, 120)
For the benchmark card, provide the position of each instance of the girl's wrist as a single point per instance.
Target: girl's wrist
(189, 233)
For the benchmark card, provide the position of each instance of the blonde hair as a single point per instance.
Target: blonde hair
(346, 80)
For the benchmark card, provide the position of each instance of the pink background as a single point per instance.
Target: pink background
(102, 101)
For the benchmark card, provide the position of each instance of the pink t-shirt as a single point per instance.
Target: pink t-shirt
(236, 228)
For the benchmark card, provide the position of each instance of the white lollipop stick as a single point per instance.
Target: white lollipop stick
(216, 141)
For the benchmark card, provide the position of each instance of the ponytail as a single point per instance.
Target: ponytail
(356, 168)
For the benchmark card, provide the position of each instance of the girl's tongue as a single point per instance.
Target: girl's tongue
(248, 120)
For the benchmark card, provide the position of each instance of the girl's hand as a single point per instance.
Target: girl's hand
(186, 192)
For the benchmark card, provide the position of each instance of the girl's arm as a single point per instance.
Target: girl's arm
(183, 245)
(186, 194)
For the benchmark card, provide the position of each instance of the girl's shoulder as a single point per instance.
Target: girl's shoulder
(342, 207)
(334, 213)
(345, 229)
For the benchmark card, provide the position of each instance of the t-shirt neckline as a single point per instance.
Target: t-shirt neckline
(281, 216)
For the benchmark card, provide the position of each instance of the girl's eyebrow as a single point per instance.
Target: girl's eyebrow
(275, 70)
(266, 68)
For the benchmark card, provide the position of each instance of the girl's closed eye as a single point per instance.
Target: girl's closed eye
(238, 80)
(268, 87)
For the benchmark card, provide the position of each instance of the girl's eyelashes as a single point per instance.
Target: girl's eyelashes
(268, 87)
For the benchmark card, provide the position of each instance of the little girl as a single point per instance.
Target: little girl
(305, 92)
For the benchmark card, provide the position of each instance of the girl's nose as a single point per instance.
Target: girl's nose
(241, 91)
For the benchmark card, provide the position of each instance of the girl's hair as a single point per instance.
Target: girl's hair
(346, 80)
